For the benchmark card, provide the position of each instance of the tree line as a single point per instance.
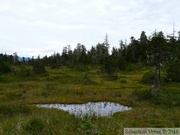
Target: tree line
(153, 50)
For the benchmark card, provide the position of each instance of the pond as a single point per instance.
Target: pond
(97, 108)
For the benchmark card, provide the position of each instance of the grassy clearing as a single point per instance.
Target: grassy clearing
(18, 116)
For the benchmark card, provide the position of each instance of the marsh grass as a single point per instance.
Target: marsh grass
(87, 125)
(123, 81)
(88, 80)
(11, 110)
(64, 85)
(110, 77)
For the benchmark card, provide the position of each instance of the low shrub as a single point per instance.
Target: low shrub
(123, 81)
(88, 80)
(173, 71)
(39, 68)
(142, 94)
(11, 110)
(110, 77)
(25, 71)
(122, 64)
(148, 78)
(4, 67)
(80, 67)
(54, 66)
(4, 78)
(34, 126)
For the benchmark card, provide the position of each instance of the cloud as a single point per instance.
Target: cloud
(51, 25)
(46, 25)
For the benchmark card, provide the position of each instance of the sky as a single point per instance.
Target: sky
(42, 27)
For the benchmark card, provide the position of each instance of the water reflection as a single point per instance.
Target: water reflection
(97, 108)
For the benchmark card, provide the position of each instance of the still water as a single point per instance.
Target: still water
(97, 108)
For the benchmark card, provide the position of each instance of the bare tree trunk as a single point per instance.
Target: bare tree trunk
(158, 79)
(155, 77)
(155, 80)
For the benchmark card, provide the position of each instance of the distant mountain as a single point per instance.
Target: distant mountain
(25, 58)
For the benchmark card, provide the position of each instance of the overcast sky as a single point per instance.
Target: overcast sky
(42, 27)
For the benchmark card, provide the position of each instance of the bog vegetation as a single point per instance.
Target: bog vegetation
(144, 74)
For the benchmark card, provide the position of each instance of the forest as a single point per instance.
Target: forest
(143, 74)
(155, 50)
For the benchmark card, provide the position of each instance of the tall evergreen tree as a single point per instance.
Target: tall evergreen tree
(143, 41)
(158, 51)
(133, 51)
(64, 56)
(101, 53)
(122, 49)
(92, 57)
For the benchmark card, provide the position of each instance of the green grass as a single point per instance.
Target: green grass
(18, 94)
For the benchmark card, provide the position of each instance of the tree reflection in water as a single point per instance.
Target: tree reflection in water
(97, 108)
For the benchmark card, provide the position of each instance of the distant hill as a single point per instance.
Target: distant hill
(25, 58)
